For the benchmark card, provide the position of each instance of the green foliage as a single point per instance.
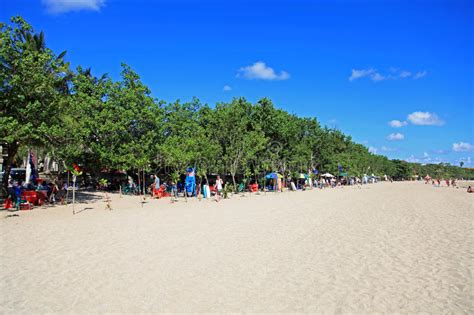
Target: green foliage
(33, 87)
(103, 183)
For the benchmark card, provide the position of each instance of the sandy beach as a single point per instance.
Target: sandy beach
(401, 247)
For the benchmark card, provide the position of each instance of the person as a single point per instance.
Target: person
(198, 190)
(174, 191)
(447, 181)
(155, 185)
(219, 184)
(157, 182)
(469, 189)
(453, 182)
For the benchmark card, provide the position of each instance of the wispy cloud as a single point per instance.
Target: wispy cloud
(63, 6)
(462, 147)
(377, 76)
(404, 74)
(424, 159)
(440, 151)
(397, 123)
(425, 119)
(357, 74)
(260, 71)
(412, 159)
(388, 149)
(373, 150)
(419, 75)
(227, 88)
(395, 136)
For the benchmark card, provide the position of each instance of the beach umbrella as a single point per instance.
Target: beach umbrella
(271, 176)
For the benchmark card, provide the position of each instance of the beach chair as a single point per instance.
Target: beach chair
(23, 204)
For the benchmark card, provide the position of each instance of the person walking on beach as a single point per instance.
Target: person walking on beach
(219, 184)
(157, 182)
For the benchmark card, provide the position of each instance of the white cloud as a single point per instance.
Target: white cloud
(419, 75)
(462, 147)
(395, 136)
(63, 6)
(373, 150)
(412, 159)
(376, 76)
(260, 71)
(357, 74)
(388, 149)
(440, 151)
(227, 88)
(425, 119)
(404, 74)
(397, 123)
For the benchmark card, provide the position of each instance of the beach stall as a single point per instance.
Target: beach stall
(273, 181)
(190, 182)
(302, 181)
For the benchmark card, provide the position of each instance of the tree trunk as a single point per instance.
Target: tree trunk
(233, 179)
(12, 149)
(139, 182)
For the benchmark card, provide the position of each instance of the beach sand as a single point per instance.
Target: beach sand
(400, 247)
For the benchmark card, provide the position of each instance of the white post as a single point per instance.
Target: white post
(67, 190)
(73, 194)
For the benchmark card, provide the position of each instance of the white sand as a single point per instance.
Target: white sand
(402, 247)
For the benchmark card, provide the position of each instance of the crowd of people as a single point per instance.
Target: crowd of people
(50, 192)
(437, 182)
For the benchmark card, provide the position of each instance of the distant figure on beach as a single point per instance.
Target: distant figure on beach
(157, 181)
(219, 184)
(453, 182)
(469, 189)
(447, 182)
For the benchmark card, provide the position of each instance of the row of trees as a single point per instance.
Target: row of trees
(101, 123)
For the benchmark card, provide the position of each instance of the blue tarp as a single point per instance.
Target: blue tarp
(190, 182)
(271, 175)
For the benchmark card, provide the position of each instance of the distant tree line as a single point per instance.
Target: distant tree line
(100, 123)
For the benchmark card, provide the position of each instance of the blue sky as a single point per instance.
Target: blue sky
(398, 76)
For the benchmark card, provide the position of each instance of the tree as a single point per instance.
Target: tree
(32, 81)
(237, 134)
(402, 170)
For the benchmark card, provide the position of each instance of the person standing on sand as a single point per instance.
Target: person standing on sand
(157, 182)
(219, 184)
